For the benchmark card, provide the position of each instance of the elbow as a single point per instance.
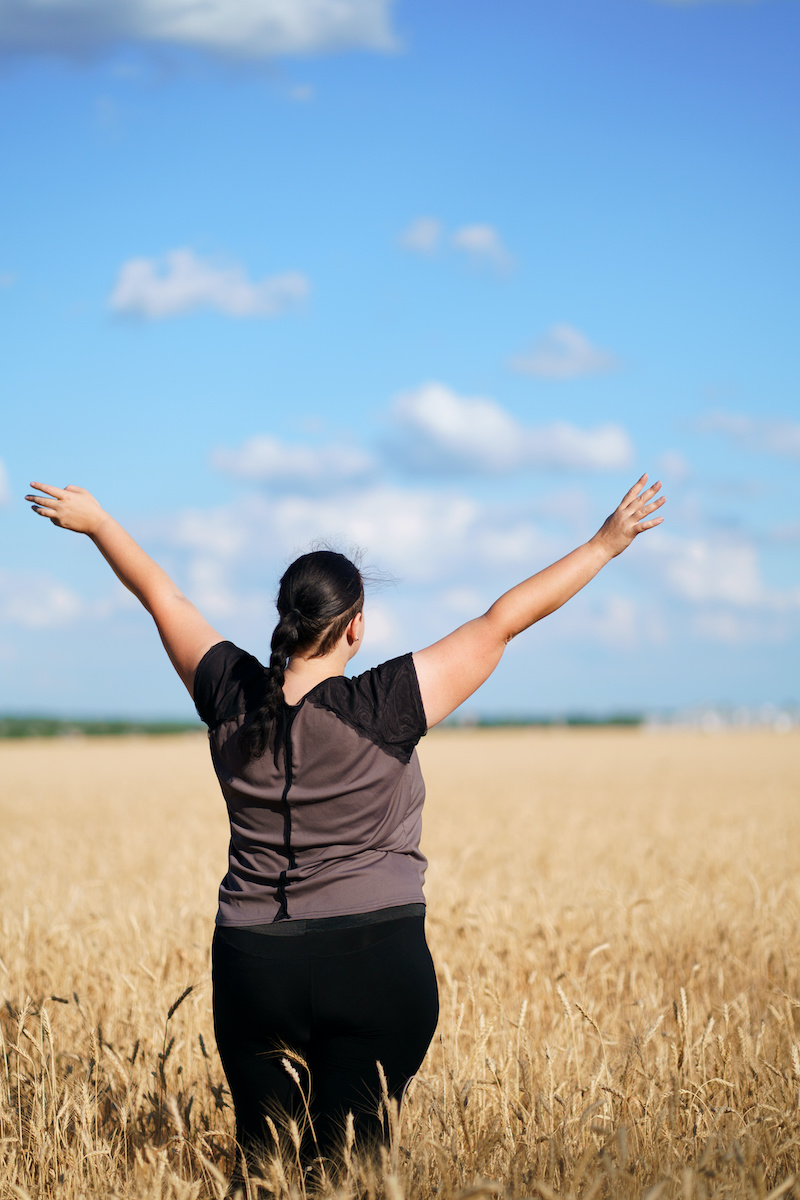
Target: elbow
(508, 626)
(500, 631)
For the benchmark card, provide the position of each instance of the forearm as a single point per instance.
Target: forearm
(546, 591)
(186, 634)
(132, 565)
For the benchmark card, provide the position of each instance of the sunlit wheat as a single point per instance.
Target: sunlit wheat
(615, 919)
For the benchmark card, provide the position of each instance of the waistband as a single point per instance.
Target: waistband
(292, 928)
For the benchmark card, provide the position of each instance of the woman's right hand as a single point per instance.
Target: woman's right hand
(185, 632)
(628, 519)
(69, 508)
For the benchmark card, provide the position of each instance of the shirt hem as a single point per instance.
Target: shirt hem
(327, 916)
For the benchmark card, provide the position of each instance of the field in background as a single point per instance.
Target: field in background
(614, 919)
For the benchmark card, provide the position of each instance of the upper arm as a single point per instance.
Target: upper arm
(452, 669)
(186, 634)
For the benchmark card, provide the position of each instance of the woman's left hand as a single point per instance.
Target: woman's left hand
(69, 508)
(618, 531)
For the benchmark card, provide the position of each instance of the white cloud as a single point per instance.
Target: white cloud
(221, 532)
(674, 466)
(464, 601)
(768, 435)
(736, 628)
(570, 506)
(563, 352)
(37, 601)
(419, 534)
(181, 282)
(483, 243)
(706, 571)
(422, 235)
(380, 627)
(212, 588)
(724, 571)
(613, 620)
(5, 486)
(267, 459)
(240, 28)
(447, 432)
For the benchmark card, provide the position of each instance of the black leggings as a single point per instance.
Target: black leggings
(344, 999)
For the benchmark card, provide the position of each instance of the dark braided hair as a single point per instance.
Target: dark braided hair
(318, 597)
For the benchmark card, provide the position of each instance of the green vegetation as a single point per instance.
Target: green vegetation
(571, 720)
(574, 720)
(27, 727)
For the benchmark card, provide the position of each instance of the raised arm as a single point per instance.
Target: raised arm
(186, 634)
(452, 669)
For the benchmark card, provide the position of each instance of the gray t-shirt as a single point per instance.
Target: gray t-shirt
(327, 821)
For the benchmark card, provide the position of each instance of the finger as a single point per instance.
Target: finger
(635, 489)
(56, 493)
(648, 508)
(651, 491)
(41, 511)
(649, 524)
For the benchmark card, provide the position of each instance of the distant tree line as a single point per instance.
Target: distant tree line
(26, 727)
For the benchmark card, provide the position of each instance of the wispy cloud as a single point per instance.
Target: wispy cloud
(302, 93)
(182, 282)
(738, 628)
(612, 620)
(483, 244)
(5, 485)
(242, 28)
(267, 459)
(34, 600)
(421, 534)
(422, 235)
(444, 431)
(563, 352)
(767, 435)
(720, 571)
(674, 466)
(7, 279)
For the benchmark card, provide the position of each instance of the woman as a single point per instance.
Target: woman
(319, 949)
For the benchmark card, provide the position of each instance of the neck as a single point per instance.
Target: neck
(302, 674)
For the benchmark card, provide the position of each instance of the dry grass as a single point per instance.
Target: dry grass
(614, 917)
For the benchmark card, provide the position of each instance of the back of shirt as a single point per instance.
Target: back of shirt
(327, 822)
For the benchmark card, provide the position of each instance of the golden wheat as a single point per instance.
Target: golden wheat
(614, 918)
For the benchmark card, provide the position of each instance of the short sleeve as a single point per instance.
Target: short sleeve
(384, 705)
(225, 683)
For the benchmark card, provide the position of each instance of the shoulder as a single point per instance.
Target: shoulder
(225, 682)
(383, 704)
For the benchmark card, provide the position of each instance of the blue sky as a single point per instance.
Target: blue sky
(439, 279)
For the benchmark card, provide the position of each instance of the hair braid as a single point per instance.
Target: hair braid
(319, 595)
(285, 639)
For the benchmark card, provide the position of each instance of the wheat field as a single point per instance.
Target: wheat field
(614, 919)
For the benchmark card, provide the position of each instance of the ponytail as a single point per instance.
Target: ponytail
(319, 595)
(285, 639)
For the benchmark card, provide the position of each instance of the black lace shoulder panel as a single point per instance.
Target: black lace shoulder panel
(384, 705)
